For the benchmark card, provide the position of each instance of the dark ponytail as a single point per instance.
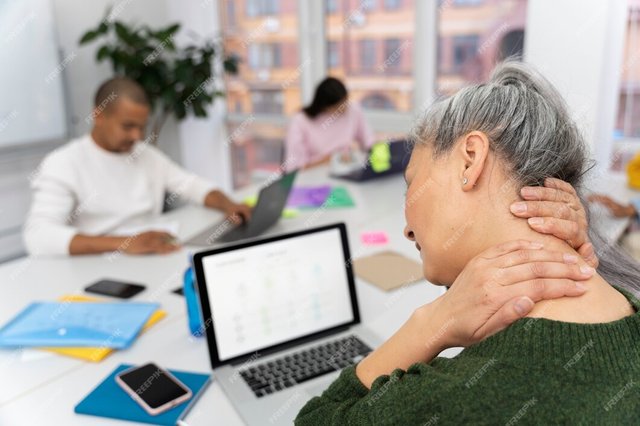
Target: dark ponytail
(329, 92)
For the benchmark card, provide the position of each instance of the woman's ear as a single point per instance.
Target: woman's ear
(474, 150)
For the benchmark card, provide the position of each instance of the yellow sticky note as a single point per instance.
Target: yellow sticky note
(96, 354)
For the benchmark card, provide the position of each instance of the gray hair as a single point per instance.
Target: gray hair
(530, 129)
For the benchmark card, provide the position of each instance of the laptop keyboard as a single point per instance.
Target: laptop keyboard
(298, 367)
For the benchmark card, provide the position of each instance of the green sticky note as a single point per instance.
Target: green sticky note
(287, 213)
(380, 157)
(339, 197)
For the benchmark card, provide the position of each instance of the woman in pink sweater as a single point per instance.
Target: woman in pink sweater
(330, 124)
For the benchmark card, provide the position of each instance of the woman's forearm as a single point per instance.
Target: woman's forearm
(420, 339)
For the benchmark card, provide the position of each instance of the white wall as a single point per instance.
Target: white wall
(204, 141)
(578, 45)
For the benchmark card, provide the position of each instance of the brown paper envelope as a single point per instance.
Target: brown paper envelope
(388, 270)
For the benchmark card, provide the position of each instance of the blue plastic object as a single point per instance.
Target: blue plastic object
(193, 305)
(110, 325)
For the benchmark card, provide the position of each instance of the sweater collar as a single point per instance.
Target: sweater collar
(531, 341)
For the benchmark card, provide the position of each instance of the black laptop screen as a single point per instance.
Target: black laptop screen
(267, 294)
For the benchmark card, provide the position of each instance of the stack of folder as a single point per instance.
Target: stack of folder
(80, 326)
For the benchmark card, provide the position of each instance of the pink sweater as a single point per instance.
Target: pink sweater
(310, 140)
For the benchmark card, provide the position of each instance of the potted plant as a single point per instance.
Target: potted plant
(178, 81)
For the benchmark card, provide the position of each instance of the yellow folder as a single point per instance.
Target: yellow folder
(97, 354)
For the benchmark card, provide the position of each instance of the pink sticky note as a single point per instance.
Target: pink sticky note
(374, 238)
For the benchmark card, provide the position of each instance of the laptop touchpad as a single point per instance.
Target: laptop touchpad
(316, 390)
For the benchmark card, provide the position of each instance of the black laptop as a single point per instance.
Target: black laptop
(272, 200)
(399, 153)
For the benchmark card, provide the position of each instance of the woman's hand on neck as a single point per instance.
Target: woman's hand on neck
(601, 302)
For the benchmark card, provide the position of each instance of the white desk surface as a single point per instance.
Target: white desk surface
(42, 388)
(38, 387)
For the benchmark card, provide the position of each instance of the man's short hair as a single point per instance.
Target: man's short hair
(120, 87)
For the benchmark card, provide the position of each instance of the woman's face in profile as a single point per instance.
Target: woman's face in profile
(436, 215)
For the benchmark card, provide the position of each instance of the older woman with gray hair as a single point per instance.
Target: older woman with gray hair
(574, 357)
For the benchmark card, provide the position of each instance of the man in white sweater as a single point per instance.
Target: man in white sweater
(90, 188)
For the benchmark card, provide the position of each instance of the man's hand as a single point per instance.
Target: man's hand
(150, 242)
(616, 209)
(556, 209)
(238, 213)
(144, 243)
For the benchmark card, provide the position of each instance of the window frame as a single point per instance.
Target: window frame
(312, 44)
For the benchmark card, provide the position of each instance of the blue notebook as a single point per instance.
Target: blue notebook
(109, 325)
(110, 400)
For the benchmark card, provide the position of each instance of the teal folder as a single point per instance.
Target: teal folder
(110, 400)
(109, 325)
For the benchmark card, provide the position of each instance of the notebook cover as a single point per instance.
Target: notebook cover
(388, 270)
(108, 399)
(98, 353)
(113, 325)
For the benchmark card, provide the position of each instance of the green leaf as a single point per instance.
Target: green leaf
(172, 29)
(180, 110)
(89, 36)
(230, 65)
(198, 110)
(172, 74)
(123, 33)
(103, 53)
(103, 28)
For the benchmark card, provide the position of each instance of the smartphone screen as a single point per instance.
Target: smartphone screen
(115, 288)
(153, 385)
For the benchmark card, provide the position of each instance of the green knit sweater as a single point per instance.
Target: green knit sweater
(537, 371)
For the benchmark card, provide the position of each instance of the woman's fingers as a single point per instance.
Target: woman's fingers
(518, 300)
(588, 253)
(509, 313)
(560, 210)
(519, 257)
(567, 230)
(509, 246)
(534, 270)
(543, 289)
(542, 270)
(560, 184)
(539, 193)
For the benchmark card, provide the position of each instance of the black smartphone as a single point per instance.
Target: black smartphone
(155, 389)
(114, 288)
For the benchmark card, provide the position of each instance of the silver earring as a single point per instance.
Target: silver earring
(465, 181)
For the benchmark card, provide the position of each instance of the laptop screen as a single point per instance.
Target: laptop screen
(273, 292)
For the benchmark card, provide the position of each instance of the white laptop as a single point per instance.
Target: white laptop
(281, 318)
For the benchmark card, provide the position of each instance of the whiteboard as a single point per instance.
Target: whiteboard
(32, 107)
